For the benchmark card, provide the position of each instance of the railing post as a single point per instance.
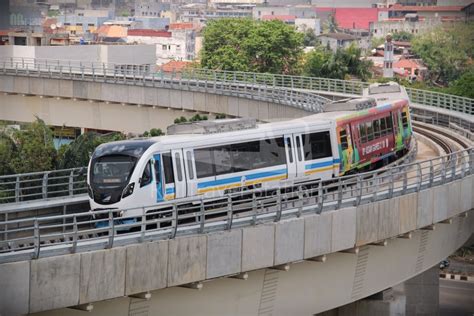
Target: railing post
(359, 190)
(71, 183)
(339, 193)
(203, 218)
(301, 201)
(229, 212)
(174, 223)
(17, 189)
(419, 176)
(454, 157)
(443, 170)
(375, 180)
(74, 234)
(254, 208)
(44, 186)
(111, 229)
(320, 197)
(391, 184)
(37, 242)
(431, 173)
(143, 226)
(279, 206)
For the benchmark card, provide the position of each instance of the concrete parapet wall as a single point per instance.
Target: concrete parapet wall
(93, 104)
(64, 281)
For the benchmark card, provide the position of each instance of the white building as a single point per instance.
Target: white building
(303, 24)
(177, 44)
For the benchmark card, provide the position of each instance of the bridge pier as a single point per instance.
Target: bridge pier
(422, 293)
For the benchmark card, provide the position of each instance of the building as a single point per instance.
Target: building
(411, 68)
(450, 12)
(351, 18)
(178, 43)
(111, 34)
(83, 23)
(409, 24)
(150, 8)
(299, 11)
(303, 24)
(201, 13)
(336, 41)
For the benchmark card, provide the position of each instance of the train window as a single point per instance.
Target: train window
(157, 171)
(383, 126)
(190, 165)
(298, 148)
(244, 155)
(317, 145)
(168, 168)
(343, 136)
(272, 152)
(204, 163)
(177, 159)
(222, 160)
(146, 176)
(362, 133)
(370, 131)
(390, 123)
(404, 119)
(376, 126)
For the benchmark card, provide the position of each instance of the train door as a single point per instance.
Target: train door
(178, 170)
(290, 156)
(299, 155)
(190, 168)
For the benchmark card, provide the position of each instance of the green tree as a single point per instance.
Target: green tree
(78, 153)
(447, 51)
(248, 45)
(310, 39)
(402, 36)
(322, 62)
(7, 152)
(464, 86)
(35, 149)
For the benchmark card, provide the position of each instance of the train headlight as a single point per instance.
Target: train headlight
(128, 190)
(90, 192)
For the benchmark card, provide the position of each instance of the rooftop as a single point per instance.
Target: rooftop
(429, 8)
(111, 31)
(340, 36)
(283, 18)
(175, 66)
(182, 26)
(149, 33)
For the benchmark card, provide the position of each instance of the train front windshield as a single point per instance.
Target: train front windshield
(109, 176)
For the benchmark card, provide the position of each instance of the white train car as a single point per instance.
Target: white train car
(384, 93)
(209, 161)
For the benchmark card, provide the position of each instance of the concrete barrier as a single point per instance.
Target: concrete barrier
(389, 219)
(186, 260)
(15, 288)
(343, 232)
(54, 282)
(440, 203)
(408, 212)
(102, 275)
(425, 208)
(289, 241)
(317, 234)
(466, 193)
(367, 225)
(147, 267)
(224, 253)
(258, 247)
(454, 198)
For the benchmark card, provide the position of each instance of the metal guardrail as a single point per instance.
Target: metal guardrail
(42, 185)
(193, 81)
(36, 237)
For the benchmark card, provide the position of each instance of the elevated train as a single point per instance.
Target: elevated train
(216, 157)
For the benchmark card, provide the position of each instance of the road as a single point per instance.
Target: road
(456, 298)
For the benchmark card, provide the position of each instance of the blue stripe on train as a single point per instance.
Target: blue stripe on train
(321, 164)
(169, 190)
(254, 176)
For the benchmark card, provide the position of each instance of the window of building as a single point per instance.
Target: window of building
(164, 47)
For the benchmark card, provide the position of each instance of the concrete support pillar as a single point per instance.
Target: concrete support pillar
(385, 303)
(422, 293)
